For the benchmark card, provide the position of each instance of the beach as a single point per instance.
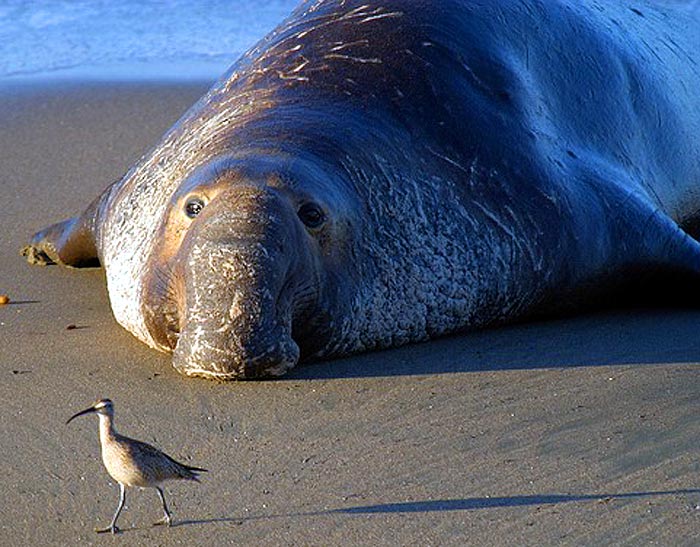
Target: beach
(579, 430)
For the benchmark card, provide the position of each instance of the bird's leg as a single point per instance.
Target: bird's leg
(166, 519)
(113, 525)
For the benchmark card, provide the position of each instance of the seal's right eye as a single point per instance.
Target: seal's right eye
(193, 207)
(311, 215)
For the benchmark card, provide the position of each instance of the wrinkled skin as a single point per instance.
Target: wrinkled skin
(372, 174)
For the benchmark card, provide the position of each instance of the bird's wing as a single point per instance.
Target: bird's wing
(158, 462)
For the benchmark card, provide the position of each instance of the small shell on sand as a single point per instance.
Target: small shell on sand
(4, 299)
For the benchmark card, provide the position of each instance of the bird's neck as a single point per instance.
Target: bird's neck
(106, 428)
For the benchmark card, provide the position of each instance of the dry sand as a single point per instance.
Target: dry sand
(577, 431)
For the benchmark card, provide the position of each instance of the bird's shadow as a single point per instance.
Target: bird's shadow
(638, 336)
(447, 505)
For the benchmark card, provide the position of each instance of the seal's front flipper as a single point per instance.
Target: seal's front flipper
(73, 242)
(69, 243)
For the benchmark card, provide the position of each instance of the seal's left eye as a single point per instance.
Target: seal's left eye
(193, 207)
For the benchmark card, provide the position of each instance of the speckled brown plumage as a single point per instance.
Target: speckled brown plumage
(135, 463)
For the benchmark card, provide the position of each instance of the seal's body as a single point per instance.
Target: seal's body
(372, 174)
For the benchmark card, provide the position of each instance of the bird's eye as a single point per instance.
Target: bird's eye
(193, 207)
(311, 215)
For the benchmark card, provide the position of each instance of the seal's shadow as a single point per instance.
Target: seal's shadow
(637, 336)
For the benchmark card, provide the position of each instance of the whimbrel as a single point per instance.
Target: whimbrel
(134, 463)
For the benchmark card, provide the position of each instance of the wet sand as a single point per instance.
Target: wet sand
(579, 431)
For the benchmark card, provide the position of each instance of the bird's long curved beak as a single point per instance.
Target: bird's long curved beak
(86, 411)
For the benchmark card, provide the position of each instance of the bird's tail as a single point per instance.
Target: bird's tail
(193, 472)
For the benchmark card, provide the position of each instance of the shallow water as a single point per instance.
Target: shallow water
(178, 39)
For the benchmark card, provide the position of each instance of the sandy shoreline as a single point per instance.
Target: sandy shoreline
(577, 431)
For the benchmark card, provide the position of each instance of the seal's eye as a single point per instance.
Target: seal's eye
(193, 207)
(311, 215)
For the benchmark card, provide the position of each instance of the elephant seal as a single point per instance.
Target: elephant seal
(377, 173)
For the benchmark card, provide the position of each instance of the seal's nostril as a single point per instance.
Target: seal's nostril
(280, 355)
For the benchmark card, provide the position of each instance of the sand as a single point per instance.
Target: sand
(573, 431)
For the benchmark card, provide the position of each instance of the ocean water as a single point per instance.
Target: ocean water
(132, 39)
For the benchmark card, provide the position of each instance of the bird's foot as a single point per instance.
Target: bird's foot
(165, 521)
(111, 528)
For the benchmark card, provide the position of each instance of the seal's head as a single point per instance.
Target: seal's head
(242, 281)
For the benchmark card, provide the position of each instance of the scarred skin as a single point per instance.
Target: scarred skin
(377, 173)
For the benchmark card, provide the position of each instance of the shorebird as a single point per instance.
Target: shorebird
(134, 463)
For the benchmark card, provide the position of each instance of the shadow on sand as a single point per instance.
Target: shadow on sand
(642, 336)
(463, 504)
(470, 504)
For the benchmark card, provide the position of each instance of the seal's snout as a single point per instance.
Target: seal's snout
(245, 262)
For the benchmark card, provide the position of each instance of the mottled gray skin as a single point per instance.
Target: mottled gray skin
(377, 173)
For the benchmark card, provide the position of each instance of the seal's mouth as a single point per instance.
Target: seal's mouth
(230, 357)
(272, 372)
